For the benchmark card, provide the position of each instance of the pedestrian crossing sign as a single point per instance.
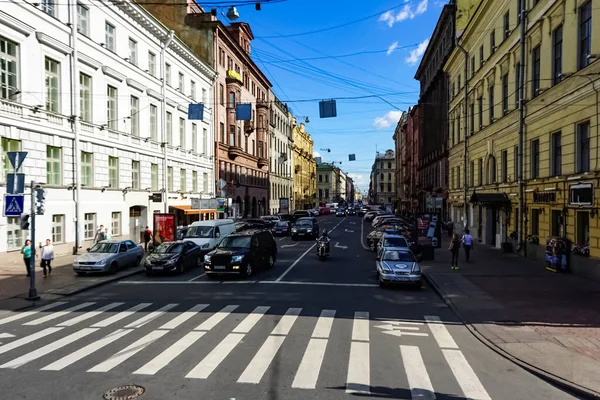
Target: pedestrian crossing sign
(13, 205)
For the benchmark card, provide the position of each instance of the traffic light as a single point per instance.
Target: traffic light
(25, 222)
(40, 200)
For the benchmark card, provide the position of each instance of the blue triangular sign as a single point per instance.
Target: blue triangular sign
(16, 158)
(196, 112)
(14, 206)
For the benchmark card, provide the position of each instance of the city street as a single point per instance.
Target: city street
(306, 329)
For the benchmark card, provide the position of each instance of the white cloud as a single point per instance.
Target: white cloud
(387, 120)
(316, 154)
(392, 47)
(415, 55)
(405, 13)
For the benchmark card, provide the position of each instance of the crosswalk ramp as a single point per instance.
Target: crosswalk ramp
(204, 341)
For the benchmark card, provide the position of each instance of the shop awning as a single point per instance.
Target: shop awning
(490, 199)
(187, 210)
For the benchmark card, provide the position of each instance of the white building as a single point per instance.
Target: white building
(280, 174)
(118, 93)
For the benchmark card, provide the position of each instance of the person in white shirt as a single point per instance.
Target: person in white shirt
(467, 241)
(47, 257)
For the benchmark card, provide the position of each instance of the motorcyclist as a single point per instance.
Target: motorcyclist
(324, 237)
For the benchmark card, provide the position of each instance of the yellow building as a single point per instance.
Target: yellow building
(560, 151)
(305, 169)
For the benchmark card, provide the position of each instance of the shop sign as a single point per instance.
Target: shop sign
(156, 197)
(581, 194)
(284, 205)
(544, 197)
(164, 228)
(233, 74)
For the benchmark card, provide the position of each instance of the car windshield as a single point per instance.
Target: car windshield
(395, 242)
(200, 232)
(283, 223)
(304, 222)
(235, 241)
(398, 256)
(104, 248)
(169, 248)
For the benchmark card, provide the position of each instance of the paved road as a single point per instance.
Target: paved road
(305, 329)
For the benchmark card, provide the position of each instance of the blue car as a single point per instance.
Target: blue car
(282, 228)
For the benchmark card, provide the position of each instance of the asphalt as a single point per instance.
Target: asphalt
(306, 329)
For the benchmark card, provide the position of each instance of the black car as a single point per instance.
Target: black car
(340, 212)
(173, 257)
(351, 211)
(300, 214)
(251, 223)
(307, 227)
(282, 228)
(241, 253)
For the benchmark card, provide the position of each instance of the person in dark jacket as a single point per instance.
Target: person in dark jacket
(147, 237)
(455, 249)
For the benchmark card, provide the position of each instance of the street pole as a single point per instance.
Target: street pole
(163, 106)
(75, 111)
(32, 290)
(521, 243)
(465, 127)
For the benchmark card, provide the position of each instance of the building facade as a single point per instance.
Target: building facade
(116, 98)
(325, 178)
(383, 181)
(433, 107)
(560, 161)
(280, 176)
(401, 154)
(305, 169)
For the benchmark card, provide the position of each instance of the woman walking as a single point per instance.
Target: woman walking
(26, 251)
(47, 257)
(467, 241)
(454, 248)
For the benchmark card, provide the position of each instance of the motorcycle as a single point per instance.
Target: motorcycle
(322, 249)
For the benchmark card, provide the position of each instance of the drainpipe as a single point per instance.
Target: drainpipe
(163, 106)
(521, 225)
(75, 111)
(466, 127)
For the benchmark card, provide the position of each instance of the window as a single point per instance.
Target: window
(135, 116)
(517, 83)
(8, 145)
(480, 171)
(506, 25)
(153, 122)
(205, 142)
(85, 97)
(505, 94)
(83, 20)
(151, 63)
(168, 74)
(231, 100)
(221, 95)
(556, 225)
(8, 68)
(194, 138)
(326, 193)
(52, 85)
(557, 40)
(53, 165)
(556, 156)
(458, 82)
(535, 159)
(481, 60)
(154, 177)
(232, 136)
(182, 142)
(113, 172)
(535, 71)
(472, 180)
(480, 111)
(169, 128)
(183, 180)
(109, 36)
(320, 193)
(583, 148)
(585, 34)
(205, 96)
(115, 224)
(58, 229)
(49, 7)
(170, 178)
(492, 41)
(222, 132)
(583, 227)
(491, 105)
(504, 166)
(458, 177)
(205, 188)
(87, 169)
(181, 83)
(193, 92)
(133, 52)
(112, 118)
(89, 226)
(135, 175)
(472, 118)
(535, 221)
(15, 237)
(195, 181)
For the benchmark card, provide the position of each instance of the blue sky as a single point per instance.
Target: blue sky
(303, 70)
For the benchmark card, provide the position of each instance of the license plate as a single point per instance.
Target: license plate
(157, 268)
(300, 233)
(219, 267)
(85, 268)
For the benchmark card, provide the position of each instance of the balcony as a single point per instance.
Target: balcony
(262, 104)
(262, 162)
(234, 152)
(248, 126)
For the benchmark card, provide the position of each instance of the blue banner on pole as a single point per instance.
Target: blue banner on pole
(15, 183)
(243, 112)
(327, 109)
(196, 111)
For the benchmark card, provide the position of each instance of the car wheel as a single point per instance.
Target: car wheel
(179, 270)
(79, 273)
(249, 270)
(271, 261)
(113, 268)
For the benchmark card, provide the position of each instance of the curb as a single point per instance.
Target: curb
(98, 284)
(566, 385)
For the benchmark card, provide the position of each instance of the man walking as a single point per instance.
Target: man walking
(454, 249)
(147, 237)
(100, 235)
(47, 257)
(467, 241)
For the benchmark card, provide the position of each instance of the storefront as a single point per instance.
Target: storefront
(493, 217)
(185, 215)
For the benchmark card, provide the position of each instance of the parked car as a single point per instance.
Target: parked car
(373, 238)
(340, 212)
(285, 217)
(282, 228)
(109, 256)
(379, 218)
(173, 257)
(398, 265)
(351, 211)
(270, 220)
(305, 228)
(313, 212)
(241, 253)
(391, 240)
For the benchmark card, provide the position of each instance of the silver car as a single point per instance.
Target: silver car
(391, 240)
(109, 256)
(398, 265)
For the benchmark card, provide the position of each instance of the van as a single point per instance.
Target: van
(208, 234)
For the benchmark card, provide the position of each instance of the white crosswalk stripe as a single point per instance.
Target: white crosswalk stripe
(164, 358)
(91, 314)
(184, 316)
(26, 314)
(122, 315)
(418, 379)
(359, 364)
(152, 316)
(28, 339)
(59, 314)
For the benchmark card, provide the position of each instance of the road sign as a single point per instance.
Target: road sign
(16, 158)
(221, 183)
(13, 205)
(15, 183)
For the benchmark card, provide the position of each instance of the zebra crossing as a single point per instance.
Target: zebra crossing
(60, 336)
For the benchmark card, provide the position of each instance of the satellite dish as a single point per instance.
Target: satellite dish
(232, 13)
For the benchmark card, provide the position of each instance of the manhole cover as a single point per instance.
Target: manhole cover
(125, 392)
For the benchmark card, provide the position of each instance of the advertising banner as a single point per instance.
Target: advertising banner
(427, 230)
(164, 228)
(221, 204)
(284, 205)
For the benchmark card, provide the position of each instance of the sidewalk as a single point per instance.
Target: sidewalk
(547, 323)
(14, 284)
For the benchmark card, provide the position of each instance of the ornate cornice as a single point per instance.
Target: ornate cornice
(19, 26)
(53, 43)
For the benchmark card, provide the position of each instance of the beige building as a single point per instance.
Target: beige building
(383, 178)
(280, 174)
(305, 182)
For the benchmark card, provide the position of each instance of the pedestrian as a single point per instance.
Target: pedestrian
(147, 237)
(450, 228)
(106, 234)
(467, 242)
(454, 249)
(26, 251)
(100, 235)
(47, 257)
